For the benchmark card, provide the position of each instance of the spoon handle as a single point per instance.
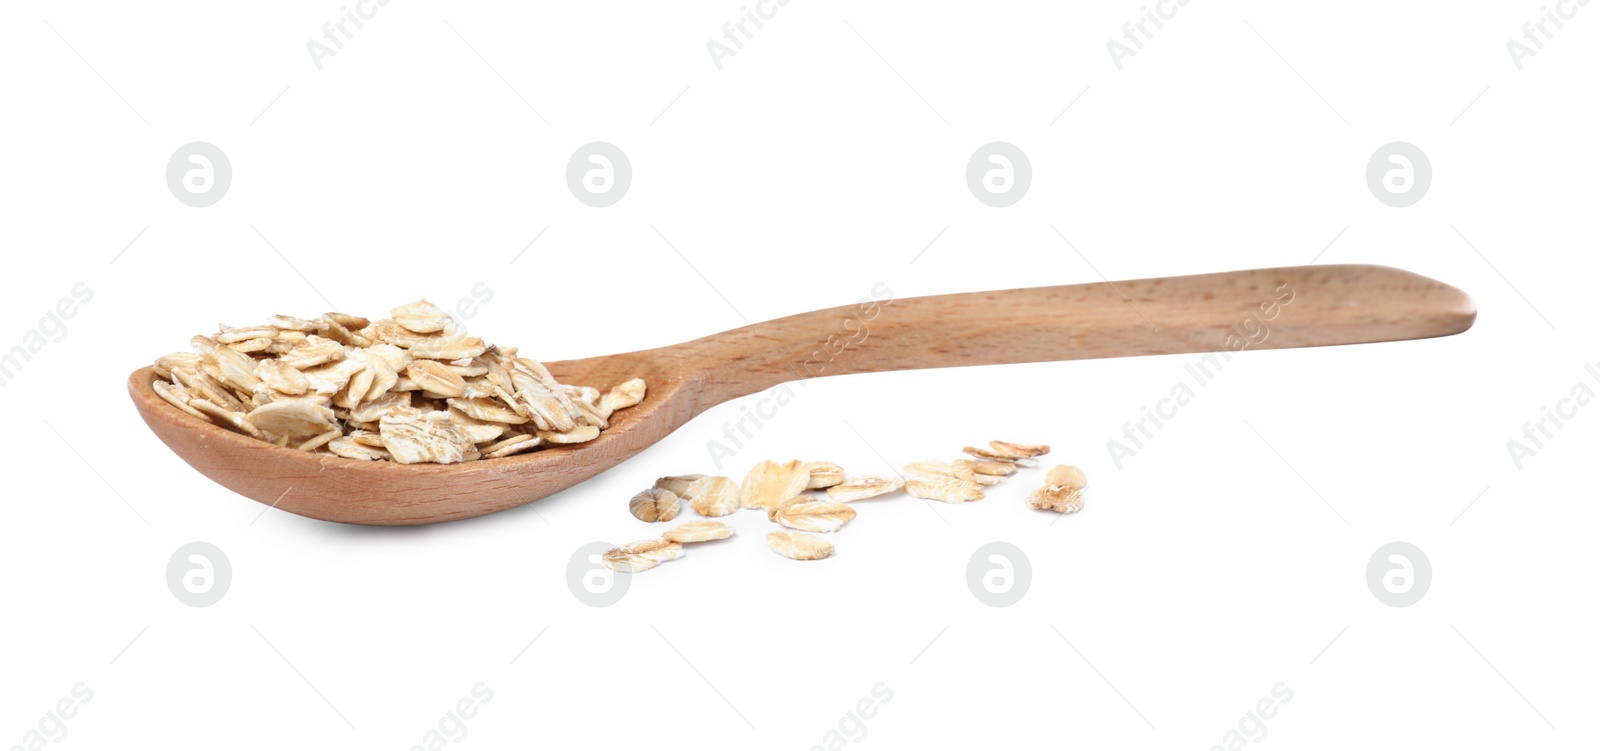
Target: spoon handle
(1297, 306)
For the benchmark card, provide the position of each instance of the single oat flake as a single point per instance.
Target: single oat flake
(623, 395)
(947, 489)
(1062, 492)
(863, 487)
(1019, 454)
(1019, 450)
(772, 511)
(769, 483)
(711, 496)
(823, 475)
(1059, 498)
(698, 531)
(1063, 474)
(815, 516)
(412, 388)
(642, 555)
(799, 546)
(654, 505)
(988, 466)
(959, 469)
(677, 483)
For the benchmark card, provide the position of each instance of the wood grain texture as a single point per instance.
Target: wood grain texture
(1331, 305)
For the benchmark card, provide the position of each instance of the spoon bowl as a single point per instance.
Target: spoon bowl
(1304, 306)
(333, 488)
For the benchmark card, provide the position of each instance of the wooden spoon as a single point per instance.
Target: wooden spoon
(1304, 306)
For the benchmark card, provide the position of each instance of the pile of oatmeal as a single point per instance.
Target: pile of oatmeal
(412, 388)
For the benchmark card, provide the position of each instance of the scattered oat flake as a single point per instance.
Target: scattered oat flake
(863, 487)
(946, 489)
(1019, 450)
(678, 483)
(1063, 474)
(992, 467)
(799, 546)
(823, 475)
(985, 453)
(642, 555)
(654, 505)
(1059, 498)
(772, 511)
(959, 469)
(712, 496)
(1004, 456)
(816, 516)
(928, 468)
(698, 531)
(967, 469)
(770, 482)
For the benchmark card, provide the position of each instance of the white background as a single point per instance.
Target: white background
(1210, 567)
